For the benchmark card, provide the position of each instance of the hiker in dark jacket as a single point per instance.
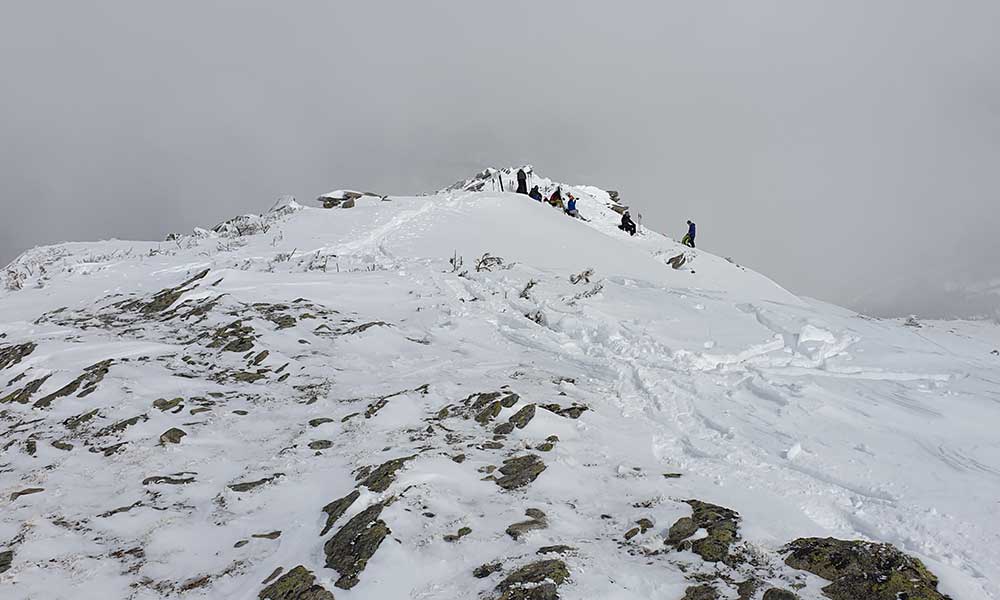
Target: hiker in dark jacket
(522, 182)
(689, 237)
(627, 223)
(536, 194)
(556, 198)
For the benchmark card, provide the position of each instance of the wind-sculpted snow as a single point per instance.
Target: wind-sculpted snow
(470, 394)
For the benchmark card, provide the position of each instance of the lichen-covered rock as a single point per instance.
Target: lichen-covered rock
(382, 477)
(485, 570)
(537, 520)
(349, 550)
(520, 471)
(172, 436)
(722, 525)
(557, 549)
(779, 594)
(454, 537)
(489, 413)
(249, 485)
(700, 592)
(91, 376)
(681, 530)
(521, 418)
(297, 584)
(337, 508)
(11, 355)
(23, 395)
(858, 569)
(535, 581)
(320, 444)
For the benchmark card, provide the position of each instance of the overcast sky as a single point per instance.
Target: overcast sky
(849, 149)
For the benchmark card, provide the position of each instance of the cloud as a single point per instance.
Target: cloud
(846, 149)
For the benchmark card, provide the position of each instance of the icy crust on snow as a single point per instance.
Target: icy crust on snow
(470, 394)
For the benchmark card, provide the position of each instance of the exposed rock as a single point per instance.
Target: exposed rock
(535, 581)
(503, 428)
(537, 521)
(91, 376)
(120, 426)
(486, 570)
(454, 537)
(297, 584)
(560, 549)
(459, 458)
(489, 413)
(164, 405)
(349, 550)
(12, 355)
(320, 444)
(522, 417)
(722, 525)
(570, 412)
(700, 592)
(249, 485)
(779, 594)
(520, 471)
(319, 421)
(163, 299)
(25, 492)
(338, 507)
(23, 395)
(172, 436)
(747, 589)
(858, 569)
(76, 421)
(62, 445)
(271, 535)
(381, 478)
(175, 479)
(684, 528)
(6, 559)
(672, 475)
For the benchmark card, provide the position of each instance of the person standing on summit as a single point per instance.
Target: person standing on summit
(689, 237)
(522, 182)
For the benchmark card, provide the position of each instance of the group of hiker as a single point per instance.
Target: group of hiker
(627, 224)
(556, 199)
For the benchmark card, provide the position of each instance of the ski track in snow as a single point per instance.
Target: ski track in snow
(807, 422)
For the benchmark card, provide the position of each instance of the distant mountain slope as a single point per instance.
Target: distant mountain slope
(471, 394)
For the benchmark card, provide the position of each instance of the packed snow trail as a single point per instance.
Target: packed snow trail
(177, 416)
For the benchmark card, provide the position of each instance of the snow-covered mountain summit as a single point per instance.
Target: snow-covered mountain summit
(471, 394)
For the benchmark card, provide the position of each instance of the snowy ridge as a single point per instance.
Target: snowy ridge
(470, 394)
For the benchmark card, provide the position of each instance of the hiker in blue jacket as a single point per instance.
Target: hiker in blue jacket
(571, 207)
(689, 238)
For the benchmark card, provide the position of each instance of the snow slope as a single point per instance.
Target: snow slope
(301, 349)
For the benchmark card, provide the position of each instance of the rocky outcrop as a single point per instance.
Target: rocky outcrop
(297, 584)
(535, 581)
(858, 569)
(349, 550)
(382, 477)
(537, 520)
(721, 524)
(337, 508)
(11, 355)
(520, 471)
